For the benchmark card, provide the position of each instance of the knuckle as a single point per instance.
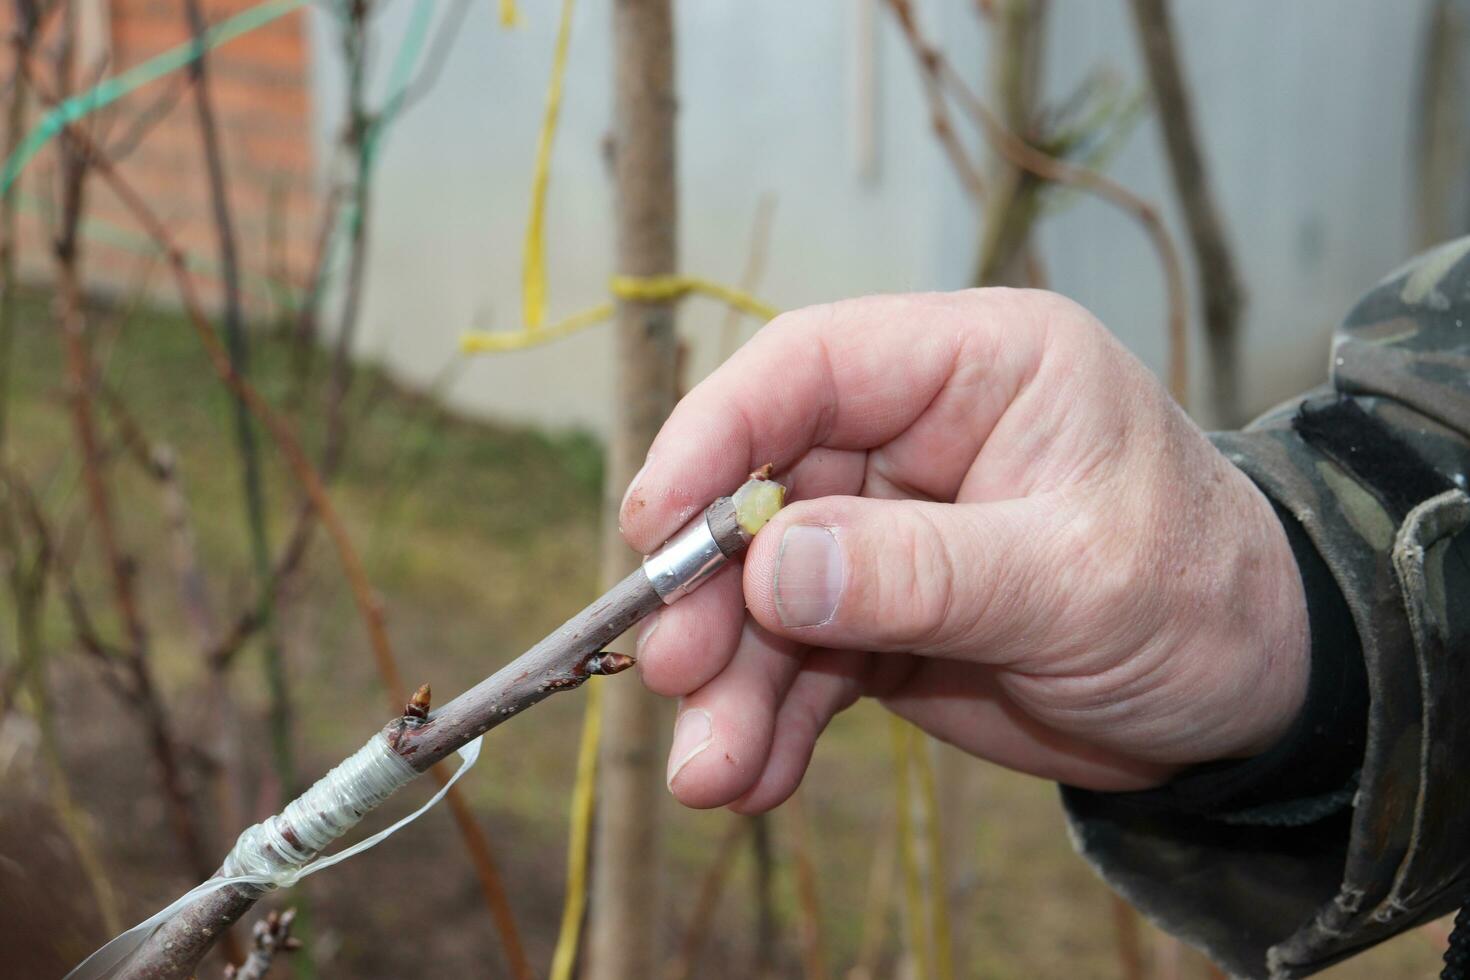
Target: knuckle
(916, 594)
(1112, 570)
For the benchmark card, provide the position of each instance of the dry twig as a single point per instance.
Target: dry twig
(1024, 155)
(121, 566)
(939, 118)
(253, 493)
(711, 888)
(270, 937)
(364, 597)
(813, 941)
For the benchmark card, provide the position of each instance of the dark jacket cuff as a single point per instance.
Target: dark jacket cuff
(1288, 900)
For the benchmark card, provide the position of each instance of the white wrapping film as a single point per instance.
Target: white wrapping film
(264, 857)
(332, 806)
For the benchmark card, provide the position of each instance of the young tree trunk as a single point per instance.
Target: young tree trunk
(1443, 141)
(1221, 292)
(623, 926)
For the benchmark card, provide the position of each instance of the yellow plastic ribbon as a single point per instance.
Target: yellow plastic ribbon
(938, 899)
(913, 878)
(928, 912)
(650, 289)
(533, 262)
(579, 842)
(533, 269)
(653, 289)
(498, 342)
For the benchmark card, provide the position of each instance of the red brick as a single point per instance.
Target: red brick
(260, 88)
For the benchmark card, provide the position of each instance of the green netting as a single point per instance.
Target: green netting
(110, 90)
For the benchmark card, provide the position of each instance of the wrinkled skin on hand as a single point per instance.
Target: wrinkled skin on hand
(1001, 526)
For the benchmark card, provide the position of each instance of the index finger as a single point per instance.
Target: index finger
(848, 375)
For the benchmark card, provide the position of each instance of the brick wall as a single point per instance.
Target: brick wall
(260, 88)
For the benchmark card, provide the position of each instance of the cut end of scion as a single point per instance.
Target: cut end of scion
(757, 500)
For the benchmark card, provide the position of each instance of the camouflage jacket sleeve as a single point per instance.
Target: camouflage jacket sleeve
(1381, 495)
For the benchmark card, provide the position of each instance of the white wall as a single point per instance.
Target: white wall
(1307, 111)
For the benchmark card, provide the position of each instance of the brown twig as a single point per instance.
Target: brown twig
(878, 904)
(1063, 172)
(357, 138)
(27, 578)
(28, 582)
(270, 937)
(247, 449)
(121, 566)
(300, 464)
(1073, 175)
(763, 895)
(53, 557)
(813, 943)
(363, 594)
(939, 119)
(221, 740)
(1221, 293)
(255, 614)
(304, 330)
(23, 40)
(710, 889)
(143, 123)
(160, 463)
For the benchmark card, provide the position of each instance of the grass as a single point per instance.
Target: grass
(480, 538)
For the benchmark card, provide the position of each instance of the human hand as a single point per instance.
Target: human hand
(1001, 526)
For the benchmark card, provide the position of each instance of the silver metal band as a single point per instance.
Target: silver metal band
(683, 565)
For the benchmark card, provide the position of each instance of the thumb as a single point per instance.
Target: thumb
(899, 575)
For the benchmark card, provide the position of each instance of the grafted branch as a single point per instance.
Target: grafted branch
(560, 662)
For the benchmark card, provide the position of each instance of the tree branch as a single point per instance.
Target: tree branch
(121, 566)
(364, 597)
(939, 118)
(246, 447)
(271, 936)
(1024, 155)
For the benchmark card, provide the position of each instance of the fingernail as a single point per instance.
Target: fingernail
(649, 626)
(691, 737)
(809, 576)
(633, 483)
